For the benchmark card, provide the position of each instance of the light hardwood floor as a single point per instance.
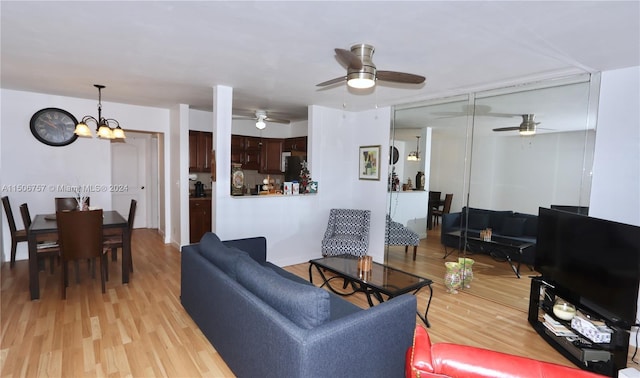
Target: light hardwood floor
(141, 329)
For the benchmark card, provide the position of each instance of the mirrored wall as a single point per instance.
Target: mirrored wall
(509, 149)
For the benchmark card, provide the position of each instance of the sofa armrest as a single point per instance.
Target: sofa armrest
(256, 247)
(383, 330)
(450, 222)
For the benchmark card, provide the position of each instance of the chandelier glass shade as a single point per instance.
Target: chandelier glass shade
(415, 155)
(106, 128)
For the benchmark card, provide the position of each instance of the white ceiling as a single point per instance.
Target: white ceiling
(274, 53)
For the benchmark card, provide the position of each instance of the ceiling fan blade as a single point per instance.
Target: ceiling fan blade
(332, 81)
(400, 77)
(349, 59)
(513, 128)
(238, 116)
(277, 120)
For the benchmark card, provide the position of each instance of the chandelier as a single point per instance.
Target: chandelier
(106, 128)
(415, 155)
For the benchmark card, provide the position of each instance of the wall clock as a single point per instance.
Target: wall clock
(54, 127)
(393, 155)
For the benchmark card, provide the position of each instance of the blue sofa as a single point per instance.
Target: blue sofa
(267, 322)
(505, 224)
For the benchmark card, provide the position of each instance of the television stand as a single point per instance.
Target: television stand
(601, 358)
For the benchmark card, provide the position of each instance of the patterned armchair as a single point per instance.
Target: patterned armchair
(398, 234)
(347, 232)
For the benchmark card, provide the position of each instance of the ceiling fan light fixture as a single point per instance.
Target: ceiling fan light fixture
(261, 115)
(528, 125)
(361, 79)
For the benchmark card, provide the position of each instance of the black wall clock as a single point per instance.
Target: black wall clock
(54, 127)
(393, 155)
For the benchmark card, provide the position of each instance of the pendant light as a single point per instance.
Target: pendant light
(106, 128)
(415, 155)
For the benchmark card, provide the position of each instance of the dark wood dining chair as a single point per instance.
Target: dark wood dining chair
(80, 237)
(44, 249)
(113, 242)
(17, 236)
(68, 203)
(446, 208)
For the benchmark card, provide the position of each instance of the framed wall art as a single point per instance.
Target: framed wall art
(369, 167)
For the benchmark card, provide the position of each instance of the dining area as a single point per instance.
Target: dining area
(71, 234)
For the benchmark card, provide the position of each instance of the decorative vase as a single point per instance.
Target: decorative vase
(466, 265)
(420, 180)
(452, 277)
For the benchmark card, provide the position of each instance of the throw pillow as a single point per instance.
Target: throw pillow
(225, 258)
(513, 226)
(305, 305)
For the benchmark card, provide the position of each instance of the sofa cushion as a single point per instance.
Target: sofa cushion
(513, 226)
(225, 258)
(478, 221)
(531, 225)
(305, 305)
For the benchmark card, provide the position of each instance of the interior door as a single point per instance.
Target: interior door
(129, 178)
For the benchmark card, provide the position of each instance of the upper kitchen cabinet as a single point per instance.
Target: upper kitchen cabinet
(298, 144)
(200, 147)
(246, 151)
(271, 155)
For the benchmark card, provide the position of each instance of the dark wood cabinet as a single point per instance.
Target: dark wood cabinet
(295, 144)
(271, 156)
(199, 218)
(200, 146)
(246, 151)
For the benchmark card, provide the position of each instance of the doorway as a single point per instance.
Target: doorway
(134, 175)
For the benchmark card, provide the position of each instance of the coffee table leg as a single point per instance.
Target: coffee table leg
(426, 311)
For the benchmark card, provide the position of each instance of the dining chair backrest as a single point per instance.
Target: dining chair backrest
(17, 236)
(132, 214)
(9, 213)
(434, 196)
(68, 203)
(26, 216)
(80, 234)
(448, 198)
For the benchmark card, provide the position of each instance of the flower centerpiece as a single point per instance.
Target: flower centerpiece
(81, 197)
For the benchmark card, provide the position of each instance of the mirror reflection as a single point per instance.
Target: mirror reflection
(499, 153)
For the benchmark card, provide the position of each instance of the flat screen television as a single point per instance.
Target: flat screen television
(596, 260)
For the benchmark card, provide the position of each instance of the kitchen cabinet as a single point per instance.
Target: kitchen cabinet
(200, 146)
(199, 218)
(271, 156)
(246, 151)
(295, 144)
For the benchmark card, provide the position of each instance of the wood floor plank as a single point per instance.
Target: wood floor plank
(141, 329)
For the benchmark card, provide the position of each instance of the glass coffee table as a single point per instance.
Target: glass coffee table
(379, 282)
(497, 247)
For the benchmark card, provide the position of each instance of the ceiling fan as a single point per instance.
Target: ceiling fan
(362, 73)
(261, 117)
(527, 127)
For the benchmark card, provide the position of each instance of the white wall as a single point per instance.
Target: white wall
(615, 189)
(26, 161)
(294, 225)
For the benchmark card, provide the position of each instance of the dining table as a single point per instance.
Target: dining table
(44, 227)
